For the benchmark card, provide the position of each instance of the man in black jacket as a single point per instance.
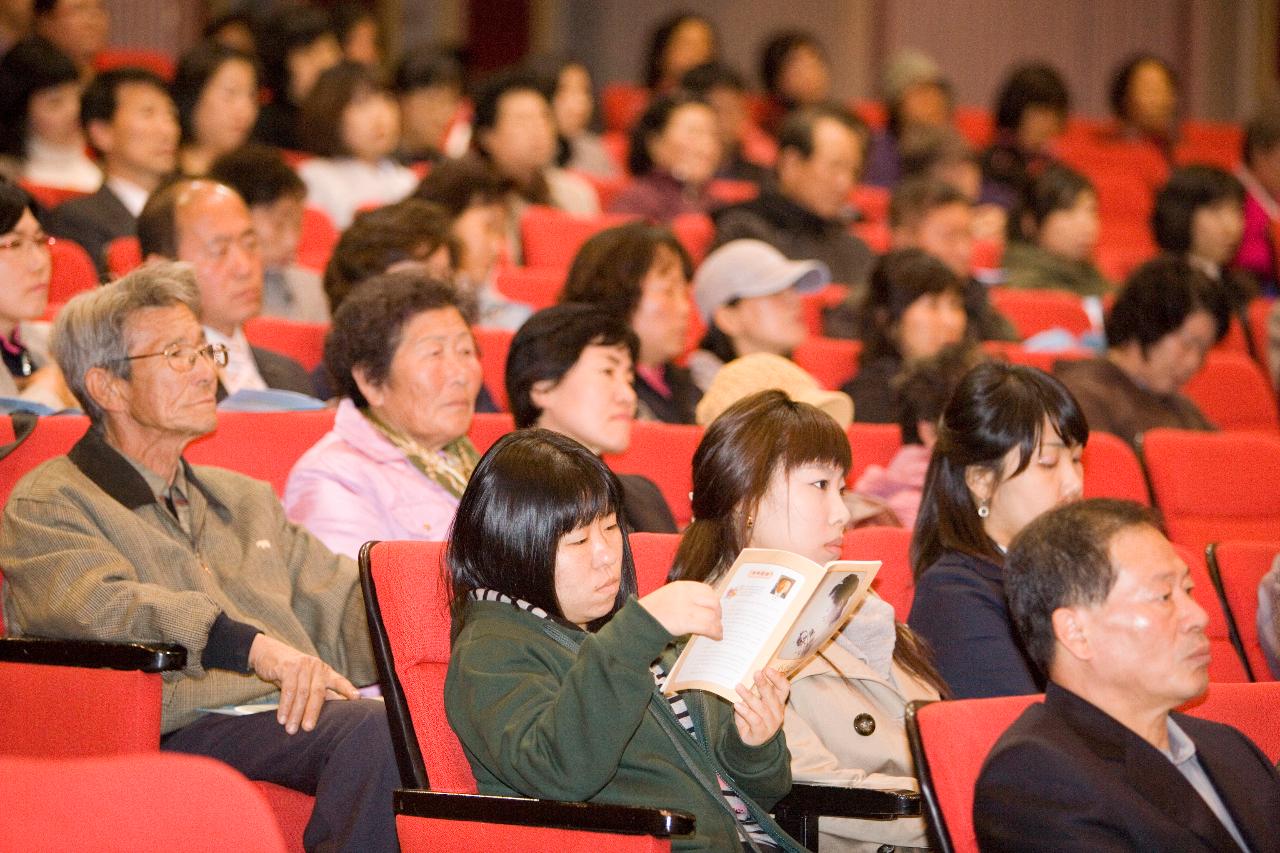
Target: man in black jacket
(1103, 603)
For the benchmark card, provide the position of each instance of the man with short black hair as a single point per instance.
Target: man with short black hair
(1103, 603)
(132, 127)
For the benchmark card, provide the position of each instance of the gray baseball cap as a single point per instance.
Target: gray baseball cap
(741, 269)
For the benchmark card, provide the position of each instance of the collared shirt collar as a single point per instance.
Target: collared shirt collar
(114, 473)
(1181, 748)
(132, 196)
(242, 369)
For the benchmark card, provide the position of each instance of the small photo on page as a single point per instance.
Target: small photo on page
(821, 615)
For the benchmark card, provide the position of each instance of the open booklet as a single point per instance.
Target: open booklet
(778, 609)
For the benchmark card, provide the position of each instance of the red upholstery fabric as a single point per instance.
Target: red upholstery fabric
(891, 546)
(1224, 663)
(872, 444)
(653, 554)
(664, 454)
(872, 202)
(1032, 311)
(292, 810)
(537, 287)
(1016, 353)
(1234, 393)
(72, 270)
(1234, 340)
(147, 803)
(695, 231)
(303, 342)
(1259, 316)
(124, 254)
(552, 237)
(1214, 486)
(621, 104)
(607, 187)
(488, 427)
(1112, 470)
(724, 191)
(1251, 708)
(876, 235)
(957, 736)
(319, 236)
(494, 345)
(813, 304)
(832, 361)
(263, 445)
(50, 197)
(470, 837)
(118, 57)
(53, 436)
(1241, 566)
(1216, 143)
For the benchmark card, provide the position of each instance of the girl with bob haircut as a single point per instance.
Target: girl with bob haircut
(1008, 449)
(770, 473)
(1052, 234)
(554, 682)
(215, 89)
(352, 123)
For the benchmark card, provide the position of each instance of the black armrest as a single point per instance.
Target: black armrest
(798, 812)
(94, 654)
(593, 817)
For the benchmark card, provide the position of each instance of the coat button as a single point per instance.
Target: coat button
(864, 724)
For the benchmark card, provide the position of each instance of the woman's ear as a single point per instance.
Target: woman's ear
(372, 391)
(981, 481)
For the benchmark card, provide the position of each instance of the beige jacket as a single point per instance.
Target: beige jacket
(826, 697)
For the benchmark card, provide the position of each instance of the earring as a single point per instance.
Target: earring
(983, 510)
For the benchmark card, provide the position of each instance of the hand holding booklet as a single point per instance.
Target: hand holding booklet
(778, 609)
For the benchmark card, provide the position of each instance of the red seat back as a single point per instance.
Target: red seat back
(160, 63)
(1214, 486)
(872, 444)
(537, 287)
(488, 427)
(1259, 316)
(654, 554)
(126, 802)
(871, 201)
(1237, 568)
(664, 454)
(124, 254)
(813, 304)
(1016, 353)
(621, 104)
(1225, 663)
(695, 231)
(494, 345)
(1032, 311)
(551, 237)
(1234, 393)
(319, 236)
(832, 361)
(50, 197)
(1251, 708)
(72, 271)
(303, 342)
(53, 436)
(262, 445)
(950, 741)
(1112, 470)
(891, 546)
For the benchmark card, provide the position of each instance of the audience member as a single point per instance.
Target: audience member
(1008, 449)
(921, 391)
(916, 94)
(132, 127)
(78, 28)
(428, 84)
(573, 106)
(216, 92)
(683, 41)
(359, 35)
(1052, 234)
(233, 29)
(1199, 215)
(795, 72)
(763, 371)
(550, 641)
(352, 123)
(1259, 172)
(1103, 603)
(515, 134)
(296, 44)
(641, 274)
(1144, 100)
(748, 294)
(40, 100)
(122, 539)
(913, 308)
(1163, 323)
(275, 196)
(769, 473)
(942, 153)
(744, 146)
(29, 374)
(1030, 114)
(570, 369)
(207, 225)
(472, 195)
(674, 154)
(402, 359)
(805, 215)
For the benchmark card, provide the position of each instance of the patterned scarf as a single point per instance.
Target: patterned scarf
(450, 467)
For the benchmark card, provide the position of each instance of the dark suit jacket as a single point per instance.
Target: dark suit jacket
(93, 221)
(1066, 776)
(278, 371)
(645, 507)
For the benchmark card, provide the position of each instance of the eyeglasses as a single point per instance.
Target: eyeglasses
(35, 241)
(182, 358)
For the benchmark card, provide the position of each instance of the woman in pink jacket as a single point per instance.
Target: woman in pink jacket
(401, 356)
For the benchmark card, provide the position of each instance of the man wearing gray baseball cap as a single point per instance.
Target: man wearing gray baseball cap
(748, 294)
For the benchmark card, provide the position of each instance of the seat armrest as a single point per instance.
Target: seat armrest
(93, 654)
(839, 801)
(521, 811)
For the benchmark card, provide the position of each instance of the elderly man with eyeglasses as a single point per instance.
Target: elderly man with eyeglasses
(121, 540)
